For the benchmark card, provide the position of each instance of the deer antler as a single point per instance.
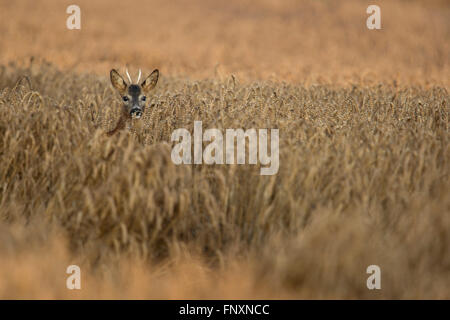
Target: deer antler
(139, 77)
(128, 75)
(129, 78)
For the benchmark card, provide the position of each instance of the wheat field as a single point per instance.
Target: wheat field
(363, 119)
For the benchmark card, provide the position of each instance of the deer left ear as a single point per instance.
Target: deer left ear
(117, 81)
(150, 82)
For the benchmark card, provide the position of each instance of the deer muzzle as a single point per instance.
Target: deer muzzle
(136, 112)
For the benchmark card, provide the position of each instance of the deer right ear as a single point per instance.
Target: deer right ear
(149, 83)
(117, 81)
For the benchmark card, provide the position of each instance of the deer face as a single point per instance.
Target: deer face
(134, 96)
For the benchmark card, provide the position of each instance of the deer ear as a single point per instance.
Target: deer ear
(150, 82)
(117, 81)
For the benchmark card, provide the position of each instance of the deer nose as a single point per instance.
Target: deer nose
(136, 112)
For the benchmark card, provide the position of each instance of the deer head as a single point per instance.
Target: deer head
(134, 95)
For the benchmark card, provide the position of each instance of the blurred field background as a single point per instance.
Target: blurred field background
(364, 158)
(301, 41)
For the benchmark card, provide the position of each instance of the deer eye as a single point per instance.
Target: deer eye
(125, 98)
(144, 98)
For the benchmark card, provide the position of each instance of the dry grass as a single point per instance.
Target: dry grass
(363, 180)
(364, 156)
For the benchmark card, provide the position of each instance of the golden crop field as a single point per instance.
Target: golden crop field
(364, 158)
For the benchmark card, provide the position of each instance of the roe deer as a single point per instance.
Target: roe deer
(134, 96)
